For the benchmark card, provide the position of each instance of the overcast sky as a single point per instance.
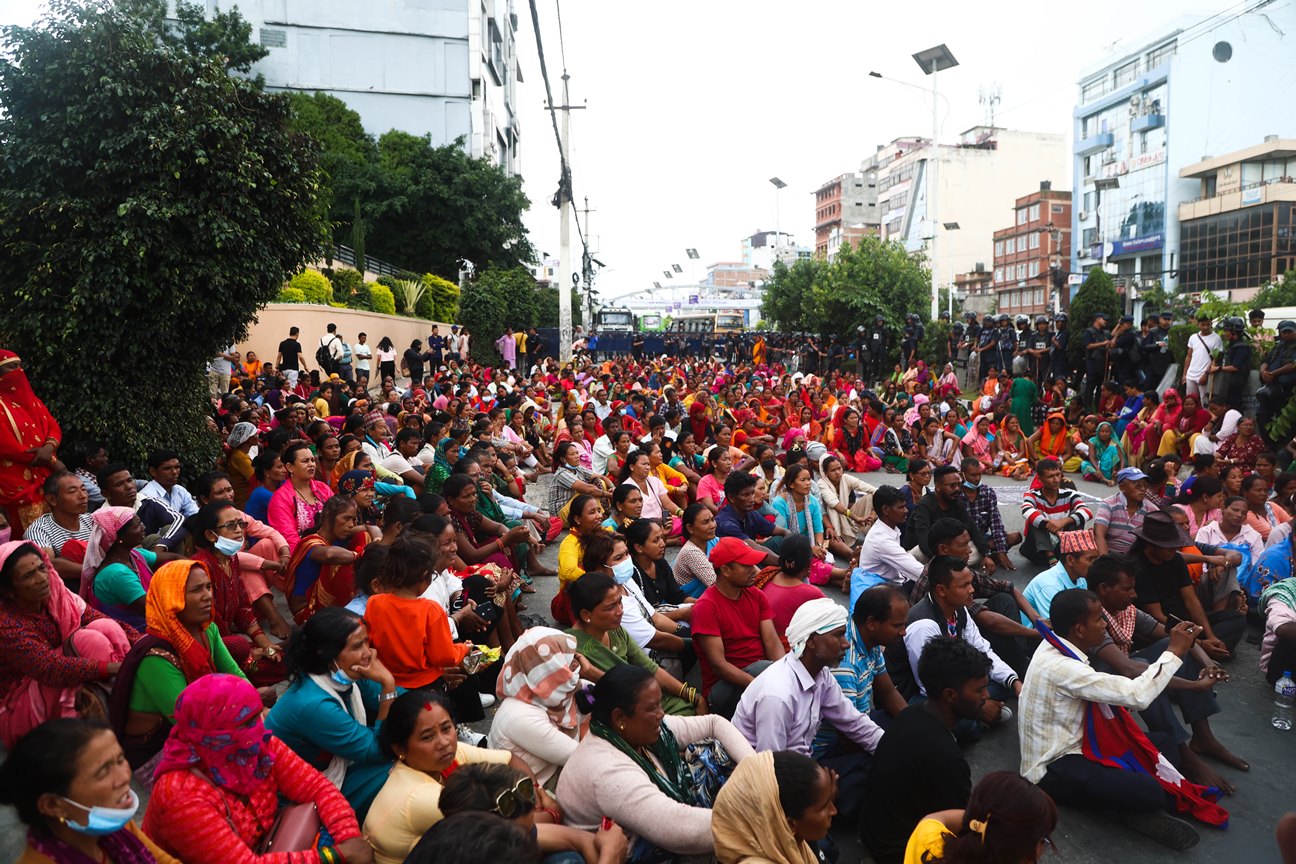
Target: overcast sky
(694, 105)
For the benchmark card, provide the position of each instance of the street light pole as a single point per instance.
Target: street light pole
(779, 186)
(932, 61)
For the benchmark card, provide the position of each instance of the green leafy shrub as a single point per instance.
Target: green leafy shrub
(362, 297)
(442, 299)
(346, 282)
(392, 284)
(411, 291)
(291, 295)
(382, 299)
(315, 287)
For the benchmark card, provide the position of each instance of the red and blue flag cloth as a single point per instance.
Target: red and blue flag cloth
(1112, 738)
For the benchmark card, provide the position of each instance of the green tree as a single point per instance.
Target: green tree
(437, 206)
(789, 293)
(1280, 292)
(223, 36)
(495, 300)
(1096, 294)
(348, 157)
(150, 203)
(547, 311)
(440, 301)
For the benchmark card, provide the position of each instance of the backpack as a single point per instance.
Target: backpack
(324, 358)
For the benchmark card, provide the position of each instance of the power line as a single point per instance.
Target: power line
(562, 46)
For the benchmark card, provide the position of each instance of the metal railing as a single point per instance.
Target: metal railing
(346, 255)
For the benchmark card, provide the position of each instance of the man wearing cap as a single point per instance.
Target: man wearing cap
(376, 434)
(1118, 518)
(1156, 348)
(1234, 368)
(1077, 551)
(1191, 690)
(1098, 344)
(783, 707)
(1047, 512)
(733, 626)
(1202, 346)
(1166, 590)
(1277, 376)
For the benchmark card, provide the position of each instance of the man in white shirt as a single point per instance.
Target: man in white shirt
(376, 434)
(603, 445)
(331, 343)
(164, 468)
(362, 353)
(1059, 685)
(1202, 346)
(882, 553)
(401, 461)
(1226, 417)
(452, 342)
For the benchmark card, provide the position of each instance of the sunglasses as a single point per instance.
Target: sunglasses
(518, 800)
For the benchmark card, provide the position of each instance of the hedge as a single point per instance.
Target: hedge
(382, 299)
(291, 295)
(313, 286)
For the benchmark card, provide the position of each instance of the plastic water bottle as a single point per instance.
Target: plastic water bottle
(1284, 699)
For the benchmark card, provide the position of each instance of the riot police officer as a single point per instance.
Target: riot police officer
(1059, 362)
(877, 348)
(987, 348)
(1156, 349)
(1234, 368)
(1036, 350)
(1007, 343)
(967, 348)
(910, 341)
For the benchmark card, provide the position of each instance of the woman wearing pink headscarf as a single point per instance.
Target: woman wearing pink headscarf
(978, 442)
(51, 643)
(116, 572)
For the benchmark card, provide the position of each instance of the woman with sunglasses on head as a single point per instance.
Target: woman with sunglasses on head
(511, 795)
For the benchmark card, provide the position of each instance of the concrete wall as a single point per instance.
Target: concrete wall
(272, 323)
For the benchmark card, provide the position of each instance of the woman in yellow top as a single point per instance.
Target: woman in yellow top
(420, 735)
(1008, 820)
(71, 785)
(584, 517)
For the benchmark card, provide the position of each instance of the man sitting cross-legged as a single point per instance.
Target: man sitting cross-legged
(1135, 639)
(1048, 511)
(944, 611)
(1069, 746)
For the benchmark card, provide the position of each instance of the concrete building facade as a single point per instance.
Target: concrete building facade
(1028, 252)
(1238, 235)
(979, 179)
(846, 209)
(444, 68)
(1200, 87)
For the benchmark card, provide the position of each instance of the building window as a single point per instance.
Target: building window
(999, 274)
(1033, 270)
(1039, 296)
(1127, 73)
(1021, 271)
(1088, 202)
(1022, 216)
(998, 248)
(1034, 212)
(1093, 89)
(1034, 240)
(1056, 208)
(1157, 56)
(1011, 245)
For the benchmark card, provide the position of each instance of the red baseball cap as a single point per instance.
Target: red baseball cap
(731, 549)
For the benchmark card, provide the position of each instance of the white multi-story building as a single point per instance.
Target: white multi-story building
(1204, 87)
(979, 180)
(444, 68)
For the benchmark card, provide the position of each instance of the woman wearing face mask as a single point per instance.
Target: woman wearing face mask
(333, 710)
(70, 783)
(598, 608)
(217, 532)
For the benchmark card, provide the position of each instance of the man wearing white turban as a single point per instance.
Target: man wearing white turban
(783, 707)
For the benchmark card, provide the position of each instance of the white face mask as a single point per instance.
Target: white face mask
(622, 572)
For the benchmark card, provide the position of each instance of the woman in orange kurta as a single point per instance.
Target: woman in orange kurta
(29, 442)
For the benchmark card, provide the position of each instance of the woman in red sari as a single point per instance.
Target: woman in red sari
(321, 571)
(29, 442)
(1145, 441)
(1192, 419)
(850, 441)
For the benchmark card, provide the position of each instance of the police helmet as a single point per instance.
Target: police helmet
(1041, 319)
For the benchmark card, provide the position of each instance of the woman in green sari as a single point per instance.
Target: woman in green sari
(1024, 394)
(1105, 456)
(447, 454)
(600, 639)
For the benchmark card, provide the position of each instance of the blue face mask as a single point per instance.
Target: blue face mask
(967, 485)
(622, 572)
(228, 547)
(341, 679)
(104, 820)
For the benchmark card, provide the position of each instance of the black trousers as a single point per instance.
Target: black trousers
(1283, 659)
(1074, 781)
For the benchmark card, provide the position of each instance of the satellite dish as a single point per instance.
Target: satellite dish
(575, 278)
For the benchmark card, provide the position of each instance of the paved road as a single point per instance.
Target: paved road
(1243, 724)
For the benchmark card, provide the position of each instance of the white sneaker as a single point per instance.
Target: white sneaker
(468, 736)
(487, 700)
(1005, 714)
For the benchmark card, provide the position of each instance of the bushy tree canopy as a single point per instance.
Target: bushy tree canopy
(1096, 294)
(149, 204)
(495, 300)
(874, 278)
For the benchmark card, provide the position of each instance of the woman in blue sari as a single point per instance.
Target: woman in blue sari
(1105, 456)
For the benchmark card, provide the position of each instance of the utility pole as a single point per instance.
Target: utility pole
(587, 265)
(566, 276)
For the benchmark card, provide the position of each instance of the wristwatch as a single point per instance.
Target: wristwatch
(387, 697)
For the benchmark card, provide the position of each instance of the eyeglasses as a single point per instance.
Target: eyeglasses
(518, 800)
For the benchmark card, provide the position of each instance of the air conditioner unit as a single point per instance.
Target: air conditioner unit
(1108, 157)
(1083, 215)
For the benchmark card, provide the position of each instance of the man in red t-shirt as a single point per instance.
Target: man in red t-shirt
(733, 627)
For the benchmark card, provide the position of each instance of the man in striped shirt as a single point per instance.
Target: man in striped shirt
(1048, 511)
